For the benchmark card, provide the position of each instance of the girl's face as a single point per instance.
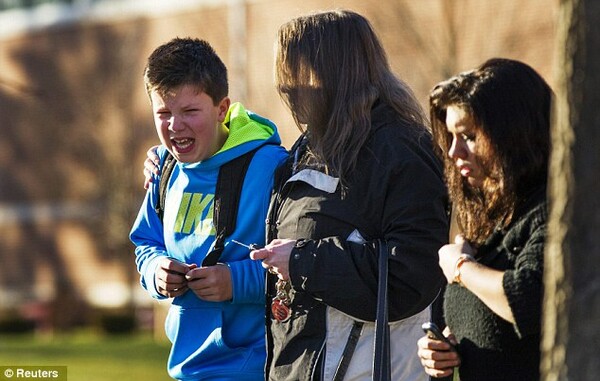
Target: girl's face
(466, 146)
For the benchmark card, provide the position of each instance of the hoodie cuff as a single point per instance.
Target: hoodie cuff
(247, 281)
(149, 278)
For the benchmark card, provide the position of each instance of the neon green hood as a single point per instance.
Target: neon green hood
(245, 126)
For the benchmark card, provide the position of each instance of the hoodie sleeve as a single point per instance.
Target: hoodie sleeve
(147, 236)
(248, 281)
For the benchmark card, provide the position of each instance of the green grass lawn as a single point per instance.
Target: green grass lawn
(89, 356)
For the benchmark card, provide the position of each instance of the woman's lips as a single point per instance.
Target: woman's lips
(465, 171)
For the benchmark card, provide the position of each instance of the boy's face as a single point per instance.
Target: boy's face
(189, 124)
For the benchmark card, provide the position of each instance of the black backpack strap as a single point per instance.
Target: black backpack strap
(226, 202)
(165, 174)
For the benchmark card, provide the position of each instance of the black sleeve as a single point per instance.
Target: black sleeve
(524, 284)
(408, 202)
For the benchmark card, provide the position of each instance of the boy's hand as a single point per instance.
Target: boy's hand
(170, 277)
(212, 283)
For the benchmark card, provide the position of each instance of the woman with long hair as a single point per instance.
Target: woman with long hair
(362, 172)
(492, 129)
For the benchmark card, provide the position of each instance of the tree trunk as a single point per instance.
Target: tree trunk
(571, 326)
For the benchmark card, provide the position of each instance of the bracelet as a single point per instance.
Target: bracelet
(459, 262)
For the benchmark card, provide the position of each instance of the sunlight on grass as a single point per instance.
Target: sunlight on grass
(89, 356)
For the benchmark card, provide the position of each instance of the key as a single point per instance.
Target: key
(252, 246)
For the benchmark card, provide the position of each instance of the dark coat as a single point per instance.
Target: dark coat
(397, 193)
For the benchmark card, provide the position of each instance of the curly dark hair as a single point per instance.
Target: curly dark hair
(510, 104)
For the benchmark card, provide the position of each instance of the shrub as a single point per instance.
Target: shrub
(117, 323)
(13, 323)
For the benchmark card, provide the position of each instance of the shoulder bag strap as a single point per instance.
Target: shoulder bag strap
(353, 337)
(381, 359)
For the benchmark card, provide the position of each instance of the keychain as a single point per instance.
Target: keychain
(280, 304)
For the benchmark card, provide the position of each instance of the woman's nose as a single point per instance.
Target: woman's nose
(457, 150)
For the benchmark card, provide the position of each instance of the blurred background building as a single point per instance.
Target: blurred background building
(75, 121)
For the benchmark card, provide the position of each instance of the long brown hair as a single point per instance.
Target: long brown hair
(510, 104)
(330, 70)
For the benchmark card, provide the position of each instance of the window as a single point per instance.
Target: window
(28, 4)
(20, 16)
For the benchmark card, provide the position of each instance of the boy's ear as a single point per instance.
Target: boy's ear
(223, 108)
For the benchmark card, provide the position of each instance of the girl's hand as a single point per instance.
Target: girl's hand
(276, 257)
(437, 357)
(151, 166)
(449, 254)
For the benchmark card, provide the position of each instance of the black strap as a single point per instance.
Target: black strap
(165, 174)
(381, 359)
(342, 368)
(227, 198)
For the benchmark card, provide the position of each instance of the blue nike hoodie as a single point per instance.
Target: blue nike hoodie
(213, 340)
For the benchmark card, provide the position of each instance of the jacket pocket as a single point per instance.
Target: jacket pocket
(198, 345)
